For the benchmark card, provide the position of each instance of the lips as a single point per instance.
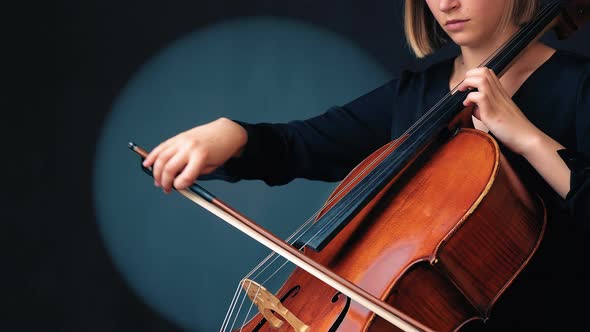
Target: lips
(455, 21)
(455, 25)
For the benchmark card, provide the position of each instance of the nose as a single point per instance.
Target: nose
(447, 5)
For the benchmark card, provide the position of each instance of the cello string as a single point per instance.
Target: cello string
(275, 272)
(419, 122)
(335, 196)
(297, 234)
(251, 305)
(238, 312)
(276, 256)
(227, 318)
(240, 308)
(231, 309)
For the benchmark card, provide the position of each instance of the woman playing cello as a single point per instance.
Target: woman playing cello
(538, 111)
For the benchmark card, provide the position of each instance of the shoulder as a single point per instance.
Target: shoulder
(425, 86)
(562, 76)
(573, 70)
(571, 58)
(568, 63)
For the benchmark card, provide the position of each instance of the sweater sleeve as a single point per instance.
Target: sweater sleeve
(578, 198)
(325, 147)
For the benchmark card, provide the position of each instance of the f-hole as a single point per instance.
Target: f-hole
(343, 313)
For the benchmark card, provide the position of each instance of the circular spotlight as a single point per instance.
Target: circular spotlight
(182, 261)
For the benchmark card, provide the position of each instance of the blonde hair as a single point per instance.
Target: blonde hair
(424, 34)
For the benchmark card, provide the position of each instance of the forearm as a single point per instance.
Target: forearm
(542, 155)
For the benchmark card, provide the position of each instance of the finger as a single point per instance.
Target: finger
(190, 173)
(473, 98)
(151, 157)
(473, 82)
(476, 112)
(498, 87)
(207, 169)
(160, 163)
(172, 168)
(473, 108)
(476, 72)
(491, 74)
(483, 72)
(481, 103)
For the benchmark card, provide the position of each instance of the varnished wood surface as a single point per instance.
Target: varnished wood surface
(441, 258)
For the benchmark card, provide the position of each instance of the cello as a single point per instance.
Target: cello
(389, 240)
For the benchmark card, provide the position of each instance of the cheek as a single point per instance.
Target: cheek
(432, 7)
(491, 15)
(439, 19)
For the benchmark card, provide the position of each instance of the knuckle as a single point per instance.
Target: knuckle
(157, 168)
(198, 155)
(168, 171)
(477, 71)
(477, 96)
(165, 154)
(189, 142)
(182, 182)
(189, 146)
(184, 178)
(178, 183)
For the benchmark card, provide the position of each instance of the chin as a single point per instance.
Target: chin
(464, 40)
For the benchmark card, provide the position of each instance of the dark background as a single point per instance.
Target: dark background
(71, 59)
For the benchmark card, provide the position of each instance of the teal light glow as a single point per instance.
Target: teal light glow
(184, 262)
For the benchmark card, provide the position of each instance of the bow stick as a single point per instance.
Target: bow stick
(208, 201)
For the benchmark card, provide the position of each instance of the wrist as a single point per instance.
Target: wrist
(240, 135)
(539, 143)
(531, 144)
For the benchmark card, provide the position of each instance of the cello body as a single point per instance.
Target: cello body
(441, 243)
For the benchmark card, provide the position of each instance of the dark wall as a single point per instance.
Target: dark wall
(72, 58)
